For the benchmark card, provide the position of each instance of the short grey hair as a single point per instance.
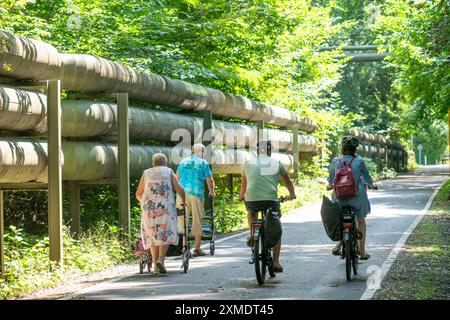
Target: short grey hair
(159, 159)
(198, 148)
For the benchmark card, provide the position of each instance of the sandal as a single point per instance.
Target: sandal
(365, 257)
(336, 251)
(277, 268)
(160, 266)
(199, 253)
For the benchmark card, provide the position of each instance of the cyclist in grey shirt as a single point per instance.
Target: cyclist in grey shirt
(260, 177)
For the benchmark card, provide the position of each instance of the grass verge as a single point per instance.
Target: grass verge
(422, 269)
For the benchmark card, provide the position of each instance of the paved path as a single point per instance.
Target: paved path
(311, 272)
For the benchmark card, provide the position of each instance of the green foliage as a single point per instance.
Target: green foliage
(444, 194)
(385, 173)
(28, 267)
(229, 217)
(308, 190)
(418, 38)
(266, 50)
(433, 138)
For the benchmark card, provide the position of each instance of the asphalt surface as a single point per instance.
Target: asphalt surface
(310, 271)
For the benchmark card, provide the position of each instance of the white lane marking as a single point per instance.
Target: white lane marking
(370, 292)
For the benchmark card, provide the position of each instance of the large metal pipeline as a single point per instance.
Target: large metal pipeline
(25, 160)
(22, 110)
(26, 111)
(36, 60)
(375, 139)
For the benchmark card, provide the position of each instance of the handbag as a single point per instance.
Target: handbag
(273, 229)
(331, 218)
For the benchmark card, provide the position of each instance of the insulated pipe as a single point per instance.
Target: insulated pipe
(25, 160)
(36, 60)
(22, 110)
(375, 139)
(26, 111)
(351, 48)
(29, 59)
(85, 119)
(366, 57)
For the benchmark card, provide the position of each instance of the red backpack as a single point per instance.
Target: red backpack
(344, 184)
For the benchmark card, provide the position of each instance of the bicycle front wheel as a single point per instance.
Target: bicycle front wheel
(259, 257)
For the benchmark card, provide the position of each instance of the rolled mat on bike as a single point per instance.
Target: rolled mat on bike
(331, 219)
(273, 229)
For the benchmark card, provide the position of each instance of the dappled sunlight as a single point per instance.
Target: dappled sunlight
(310, 270)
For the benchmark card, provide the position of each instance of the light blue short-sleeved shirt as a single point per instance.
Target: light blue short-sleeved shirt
(193, 171)
(362, 178)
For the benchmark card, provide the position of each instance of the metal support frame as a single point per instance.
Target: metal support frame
(405, 158)
(260, 132)
(295, 151)
(2, 231)
(230, 183)
(206, 140)
(386, 155)
(73, 190)
(54, 170)
(379, 165)
(124, 162)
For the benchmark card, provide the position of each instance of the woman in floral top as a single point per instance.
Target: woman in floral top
(159, 224)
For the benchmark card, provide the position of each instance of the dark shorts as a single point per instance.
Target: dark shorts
(256, 206)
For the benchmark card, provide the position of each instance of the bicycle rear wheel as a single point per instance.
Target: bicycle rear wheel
(355, 257)
(348, 258)
(259, 257)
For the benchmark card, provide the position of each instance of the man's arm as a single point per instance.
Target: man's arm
(210, 183)
(178, 188)
(288, 183)
(243, 187)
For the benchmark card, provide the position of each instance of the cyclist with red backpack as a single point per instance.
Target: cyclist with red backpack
(348, 178)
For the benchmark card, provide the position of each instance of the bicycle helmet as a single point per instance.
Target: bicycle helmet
(349, 141)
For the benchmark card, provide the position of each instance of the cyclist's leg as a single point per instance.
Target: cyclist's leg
(277, 248)
(337, 249)
(362, 243)
(250, 219)
(276, 257)
(252, 209)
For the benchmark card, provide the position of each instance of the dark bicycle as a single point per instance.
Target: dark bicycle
(261, 254)
(350, 237)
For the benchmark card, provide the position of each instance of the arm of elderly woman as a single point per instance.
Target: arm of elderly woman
(140, 189)
(178, 188)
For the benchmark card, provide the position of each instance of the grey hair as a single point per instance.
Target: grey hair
(159, 159)
(198, 148)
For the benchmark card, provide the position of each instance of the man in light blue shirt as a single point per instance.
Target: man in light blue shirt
(192, 173)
